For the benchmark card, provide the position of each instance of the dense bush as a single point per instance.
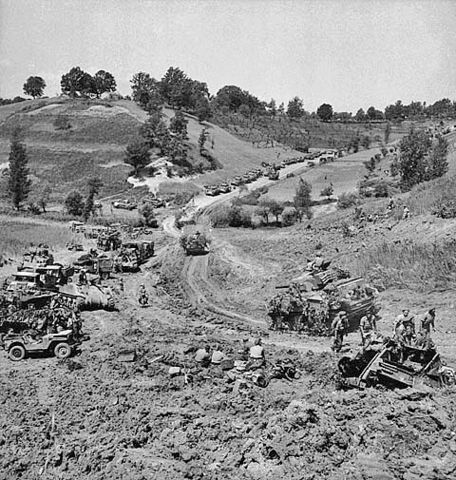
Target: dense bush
(289, 217)
(347, 200)
(234, 216)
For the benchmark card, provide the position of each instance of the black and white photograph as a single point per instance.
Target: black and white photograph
(227, 240)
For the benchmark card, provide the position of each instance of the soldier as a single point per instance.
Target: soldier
(367, 327)
(143, 298)
(339, 326)
(405, 213)
(256, 355)
(402, 320)
(427, 322)
(121, 284)
(203, 356)
(82, 277)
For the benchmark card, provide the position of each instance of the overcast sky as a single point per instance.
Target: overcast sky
(350, 53)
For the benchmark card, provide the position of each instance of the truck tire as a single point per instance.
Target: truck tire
(62, 351)
(16, 353)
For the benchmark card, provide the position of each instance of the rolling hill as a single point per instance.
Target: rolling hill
(94, 143)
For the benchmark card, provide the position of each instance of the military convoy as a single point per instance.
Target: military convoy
(311, 302)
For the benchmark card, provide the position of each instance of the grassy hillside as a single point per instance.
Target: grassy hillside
(234, 155)
(310, 131)
(94, 144)
(65, 158)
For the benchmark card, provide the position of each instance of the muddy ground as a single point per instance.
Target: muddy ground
(96, 417)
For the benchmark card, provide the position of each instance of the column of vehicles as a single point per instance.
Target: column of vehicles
(126, 204)
(271, 171)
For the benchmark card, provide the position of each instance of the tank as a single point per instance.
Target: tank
(195, 244)
(311, 305)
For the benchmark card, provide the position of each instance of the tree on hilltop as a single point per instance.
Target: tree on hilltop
(18, 182)
(325, 112)
(146, 91)
(75, 82)
(360, 115)
(34, 86)
(295, 108)
(103, 82)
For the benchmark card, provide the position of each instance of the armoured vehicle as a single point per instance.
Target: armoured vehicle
(311, 304)
(18, 346)
(36, 257)
(133, 254)
(124, 204)
(395, 365)
(236, 181)
(273, 174)
(195, 244)
(224, 188)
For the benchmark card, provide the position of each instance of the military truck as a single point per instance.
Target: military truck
(133, 254)
(311, 304)
(145, 249)
(195, 244)
(109, 240)
(100, 265)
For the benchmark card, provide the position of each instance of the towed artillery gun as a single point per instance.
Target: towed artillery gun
(395, 365)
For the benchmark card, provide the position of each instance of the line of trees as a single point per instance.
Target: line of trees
(78, 83)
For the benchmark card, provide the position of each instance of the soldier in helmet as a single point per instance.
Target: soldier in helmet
(339, 326)
(143, 298)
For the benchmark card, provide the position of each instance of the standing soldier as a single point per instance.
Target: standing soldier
(83, 277)
(121, 284)
(339, 326)
(143, 298)
(367, 327)
(427, 322)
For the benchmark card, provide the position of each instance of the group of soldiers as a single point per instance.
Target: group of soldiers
(405, 330)
(37, 322)
(249, 356)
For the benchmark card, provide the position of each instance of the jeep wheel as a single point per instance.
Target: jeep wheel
(62, 351)
(16, 353)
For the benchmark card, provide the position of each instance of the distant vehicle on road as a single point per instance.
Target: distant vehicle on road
(125, 205)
